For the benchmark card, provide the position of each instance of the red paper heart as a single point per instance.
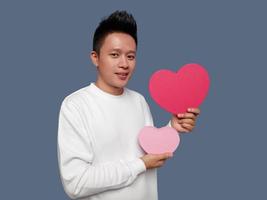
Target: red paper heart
(176, 92)
(158, 140)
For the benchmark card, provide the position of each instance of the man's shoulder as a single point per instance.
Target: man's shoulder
(76, 96)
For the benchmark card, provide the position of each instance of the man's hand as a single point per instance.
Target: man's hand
(185, 122)
(155, 160)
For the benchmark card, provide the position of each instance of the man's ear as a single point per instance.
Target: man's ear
(94, 58)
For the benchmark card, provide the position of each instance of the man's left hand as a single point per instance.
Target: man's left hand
(185, 122)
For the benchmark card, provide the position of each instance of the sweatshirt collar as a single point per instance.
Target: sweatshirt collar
(101, 92)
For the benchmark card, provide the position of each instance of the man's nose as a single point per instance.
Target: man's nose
(124, 62)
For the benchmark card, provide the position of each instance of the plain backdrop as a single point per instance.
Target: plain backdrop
(44, 48)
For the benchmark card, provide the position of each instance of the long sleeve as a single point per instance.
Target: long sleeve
(80, 176)
(147, 113)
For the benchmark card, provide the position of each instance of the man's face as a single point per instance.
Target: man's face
(115, 61)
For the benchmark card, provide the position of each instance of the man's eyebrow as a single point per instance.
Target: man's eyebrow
(132, 51)
(118, 49)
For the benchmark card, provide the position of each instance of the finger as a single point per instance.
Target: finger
(186, 115)
(187, 121)
(164, 156)
(195, 111)
(188, 127)
(183, 130)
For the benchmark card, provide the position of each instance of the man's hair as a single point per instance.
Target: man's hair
(118, 21)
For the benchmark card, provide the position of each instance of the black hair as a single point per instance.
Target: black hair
(118, 21)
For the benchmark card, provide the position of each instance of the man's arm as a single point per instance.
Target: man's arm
(79, 175)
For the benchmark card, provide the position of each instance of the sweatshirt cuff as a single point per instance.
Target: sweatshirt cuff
(169, 124)
(137, 166)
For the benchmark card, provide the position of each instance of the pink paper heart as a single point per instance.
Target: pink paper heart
(176, 92)
(157, 141)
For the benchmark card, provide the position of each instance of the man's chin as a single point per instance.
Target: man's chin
(121, 84)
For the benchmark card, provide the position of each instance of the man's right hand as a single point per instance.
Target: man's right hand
(155, 160)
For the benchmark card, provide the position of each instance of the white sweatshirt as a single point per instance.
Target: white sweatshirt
(98, 150)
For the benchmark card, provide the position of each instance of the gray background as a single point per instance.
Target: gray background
(44, 47)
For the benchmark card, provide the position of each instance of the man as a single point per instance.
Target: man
(98, 152)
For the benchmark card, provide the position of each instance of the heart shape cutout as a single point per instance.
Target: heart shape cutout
(176, 92)
(158, 140)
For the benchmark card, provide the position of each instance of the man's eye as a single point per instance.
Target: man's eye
(114, 55)
(131, 57)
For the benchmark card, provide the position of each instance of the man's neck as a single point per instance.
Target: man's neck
(109, 89)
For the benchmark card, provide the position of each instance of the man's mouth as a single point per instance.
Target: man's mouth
(122, 76)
